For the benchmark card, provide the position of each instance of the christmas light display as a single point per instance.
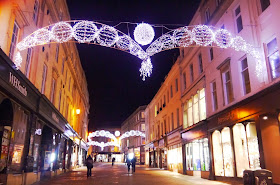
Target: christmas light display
(144, 34)
(101, 133)
(132, 133)
(100, 34)
(102, 144)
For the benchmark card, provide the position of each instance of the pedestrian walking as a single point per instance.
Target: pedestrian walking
(133, 163)
(89, 164)
(128, 162)
(113, 160)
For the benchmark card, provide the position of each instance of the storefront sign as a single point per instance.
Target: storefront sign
(226, 118)
(55, 118)
(174, 138)
(195, 133)
(16, 83)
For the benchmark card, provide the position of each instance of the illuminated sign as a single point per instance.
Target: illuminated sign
(16, 83)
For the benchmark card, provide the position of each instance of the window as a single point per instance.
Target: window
(171, 91)
(195, 109)
(238, 19)
(191, 72)
(214, 96)
(219, 2)
(190, 113)
(156, 110)
(59, 100)
(142, 115)
(228, 94)
(35, 11)
(56, 52)
(44, 77)
(143, 127)
(200, 63)
(184, 81)
(53, 90)
(28, 62)
(165, 130)
(176, 84)
(62, 65)
(245, 76)
(178, 118)
(167, 96)
(69, 83)
(172, 120)
(211, 53)
(273, 58)
(164, 101)
(14, 41)
(207, 15)
(202, 105)
(185, 115)
(264, 4)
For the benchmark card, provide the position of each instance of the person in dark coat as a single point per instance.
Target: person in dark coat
(133, 163)
(113, 160)
(128, 162)
(89, 164)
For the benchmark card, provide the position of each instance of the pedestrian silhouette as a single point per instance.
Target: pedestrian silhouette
(89, 164)
(113, 160)
(128, 162)
(133, 163)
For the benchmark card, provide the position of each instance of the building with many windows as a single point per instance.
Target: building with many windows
(229, 108)
(45, 104)
(134, 144)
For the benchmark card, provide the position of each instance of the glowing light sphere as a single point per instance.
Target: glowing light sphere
(146, 69)
(203, 35)
(107, 36)
(85, 31)
(117, 133)
(183, 37)
(61, 32)
(144, 34)
(123, 43)
(42, 36)
(223, 38)
(238, 43)
(167, 41)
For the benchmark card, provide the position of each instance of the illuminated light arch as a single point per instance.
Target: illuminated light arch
(97, 33)
(202, 35)
(132, 133)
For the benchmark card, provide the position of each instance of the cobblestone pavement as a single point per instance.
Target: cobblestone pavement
(105, 173)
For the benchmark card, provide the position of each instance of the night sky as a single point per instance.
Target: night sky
(115, 88)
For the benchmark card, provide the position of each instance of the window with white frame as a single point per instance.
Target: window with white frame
(200, 63)
(35, 11)
(53, 90)
(184, 81)
(273, 58)
(245, 76)
(238, 19)
(207, 15)
(28, 62)
(264, 4)
(228, 94)
(214, 96)
(14, 40)
(44, 77)
(191, 72)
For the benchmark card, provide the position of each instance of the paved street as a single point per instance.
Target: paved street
(104, 173)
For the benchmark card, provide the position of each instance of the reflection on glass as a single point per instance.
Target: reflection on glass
(218, 153)
(189, 155)
(227, 152)
(253, 147)
(241, 150)
(196, 157)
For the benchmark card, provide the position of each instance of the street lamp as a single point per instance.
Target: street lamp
(78, 111)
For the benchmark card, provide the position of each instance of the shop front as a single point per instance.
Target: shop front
(162, 153)
(246, 137)
(196, 151)
(174, 152)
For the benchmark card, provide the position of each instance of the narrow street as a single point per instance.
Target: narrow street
(104, 173)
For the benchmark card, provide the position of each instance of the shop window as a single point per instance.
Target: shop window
(245, 76)
(14, 40)
(264, 4)
(189, 156)
(253, 146)
(238, 19)
(227, 152)
(273, 58)
(28, 62)
(218, 153)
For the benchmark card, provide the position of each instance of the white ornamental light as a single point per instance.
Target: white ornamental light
(62, 32)
(144, 34)
(85, 31)
(203, 35)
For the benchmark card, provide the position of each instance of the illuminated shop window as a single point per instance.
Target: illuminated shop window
(185, 115)
(195, 109)
(218, 153)
(227, 152)
(253, 146)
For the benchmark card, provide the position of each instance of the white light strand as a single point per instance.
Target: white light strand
(132, 133)
(101, 133)
(203, 35)
(223, 38)
(85, 31)
(62, 32)
(144, 34)
(102, 144)
(146, 69)
(107, 36)
(18, 60)
(183, 37)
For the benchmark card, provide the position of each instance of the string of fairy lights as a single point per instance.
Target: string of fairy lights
(107, 134)
(97, 33)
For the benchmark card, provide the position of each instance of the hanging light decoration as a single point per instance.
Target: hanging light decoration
(42, 36)
(132, 133)
(146, 69)
(123, 42)
(223, 38)
(62, 32)
(238, 43)
(183, 37)
(18, 60)
(144, 34)
(107, 36)
(203, 35)
(168, 41)
(85, 31)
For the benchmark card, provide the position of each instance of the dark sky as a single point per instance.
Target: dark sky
(115, 88)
